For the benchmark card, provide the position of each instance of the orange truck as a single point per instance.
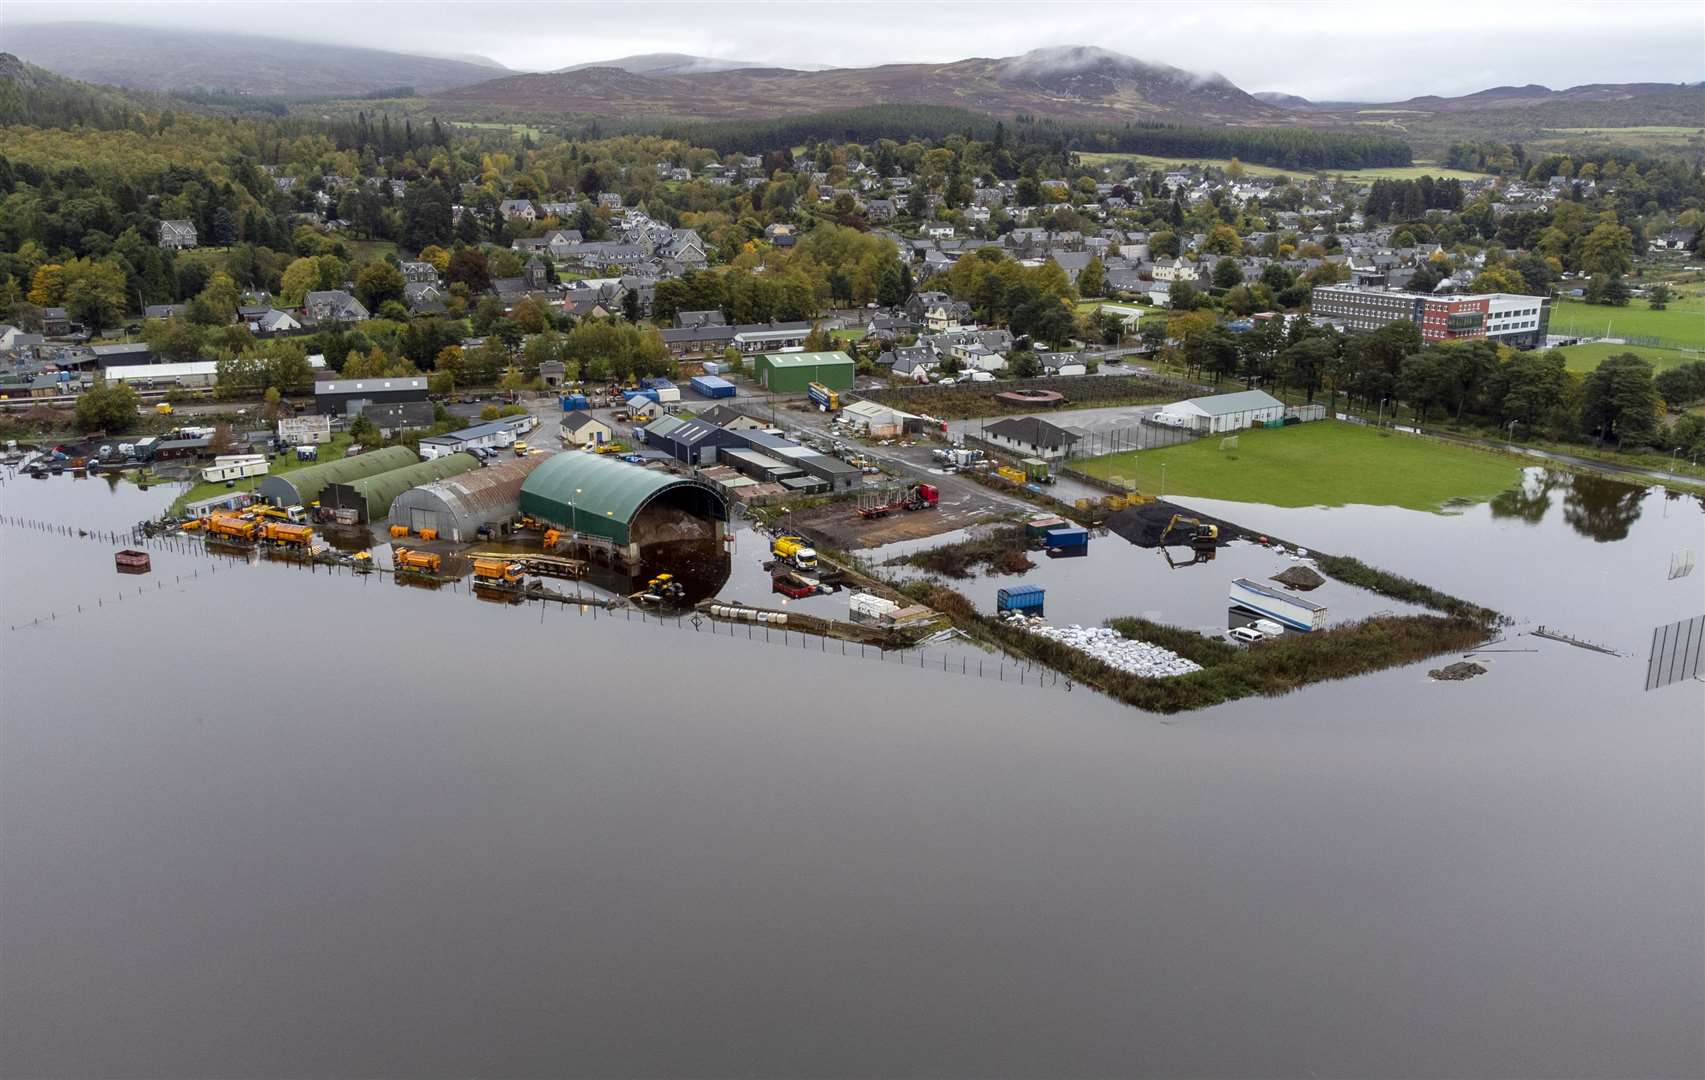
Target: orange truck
(419, 562)
(232, 526)
(496, 572)
(279, 532)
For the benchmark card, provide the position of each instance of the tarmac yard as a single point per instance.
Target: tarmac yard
(838, 524)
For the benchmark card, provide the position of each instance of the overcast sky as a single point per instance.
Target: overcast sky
(1368, 50)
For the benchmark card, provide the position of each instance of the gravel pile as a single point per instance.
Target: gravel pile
(1113, 648)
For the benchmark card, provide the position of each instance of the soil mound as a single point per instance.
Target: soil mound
(1456, 672)
(1301, 578)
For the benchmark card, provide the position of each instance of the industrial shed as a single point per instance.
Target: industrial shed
(793, 372)
(302, 486)
(458, 506)
(639, 517)
(371, 497)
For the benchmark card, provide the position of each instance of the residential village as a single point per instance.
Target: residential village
(835, 351)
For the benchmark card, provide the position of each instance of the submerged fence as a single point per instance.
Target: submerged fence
(968, 661)
(1678, 652)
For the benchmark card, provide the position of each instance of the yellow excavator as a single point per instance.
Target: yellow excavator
(1204, 540)
(1204, 536)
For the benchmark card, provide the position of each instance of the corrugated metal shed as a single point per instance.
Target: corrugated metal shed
(839, 475)
(592, 494)
(303, 486)
(792, 372)
(459, 505)
(373, 495)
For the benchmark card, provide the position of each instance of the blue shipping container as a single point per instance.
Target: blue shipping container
(571, 402)
(1019, 598)
(648, 393)
(712, 387)
(1069, 537)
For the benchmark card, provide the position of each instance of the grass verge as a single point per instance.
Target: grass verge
(1353, 571)
(279, 465)
(1002, 551)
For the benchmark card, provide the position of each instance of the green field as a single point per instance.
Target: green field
(1406, 172)
(1326, 463)
(1682, 324)
(528, 130)
(1654, 138)
(1400, 172)
(1587, 357)
(849, 333)
(361, 251)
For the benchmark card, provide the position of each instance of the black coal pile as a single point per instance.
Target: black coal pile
(1143, 525)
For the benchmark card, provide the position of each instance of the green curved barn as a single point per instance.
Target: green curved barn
(640, 517)
(302, 486)
(371, 497)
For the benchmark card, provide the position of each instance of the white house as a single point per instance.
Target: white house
(1222, 412)
(1061, 363)
(584, 429)
(1177, 269)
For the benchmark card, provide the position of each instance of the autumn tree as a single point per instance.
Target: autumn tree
(106, 407)
(378, 282)
(1092, 279)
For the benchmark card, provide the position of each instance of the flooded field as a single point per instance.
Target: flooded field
(259, 819)
(1119, 578)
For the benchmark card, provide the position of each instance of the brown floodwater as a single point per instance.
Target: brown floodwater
(262, 820)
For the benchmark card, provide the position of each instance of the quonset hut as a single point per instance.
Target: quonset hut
(638, 520)
(371, 497)
(302, 486)
(458, 506)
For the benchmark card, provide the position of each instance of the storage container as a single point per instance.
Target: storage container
(712, 386)
(1026, 598)
(1071, 536)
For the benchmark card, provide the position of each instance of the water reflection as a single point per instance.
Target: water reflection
(1602, 509)
(1594, 506)
(1531, 500)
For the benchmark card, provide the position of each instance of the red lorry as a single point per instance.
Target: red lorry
(875, 504)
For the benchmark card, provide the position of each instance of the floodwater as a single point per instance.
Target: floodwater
(258, 820)
(1119, 578)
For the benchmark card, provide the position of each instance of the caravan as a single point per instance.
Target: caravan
(234, 467)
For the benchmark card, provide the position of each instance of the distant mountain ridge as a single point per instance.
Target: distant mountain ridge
(1070, 82)
(1283, 101)
(153, 58)
(1494, 97)
(665, 64)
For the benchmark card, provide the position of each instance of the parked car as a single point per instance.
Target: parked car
(1248, 635)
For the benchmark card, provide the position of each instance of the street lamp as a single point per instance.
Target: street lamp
(1511, 437)
(1379, 421)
